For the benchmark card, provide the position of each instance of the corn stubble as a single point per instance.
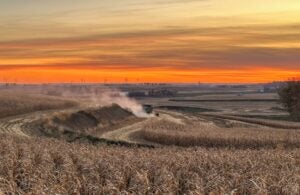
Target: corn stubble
(16, 104)
(48, 166)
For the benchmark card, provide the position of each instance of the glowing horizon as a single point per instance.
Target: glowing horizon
(213, 41)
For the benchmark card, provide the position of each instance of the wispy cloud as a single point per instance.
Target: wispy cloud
(159, 35)
(202, 48)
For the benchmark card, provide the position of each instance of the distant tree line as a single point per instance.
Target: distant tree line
(289, 94)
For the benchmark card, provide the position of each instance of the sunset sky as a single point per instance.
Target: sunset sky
(221, 41)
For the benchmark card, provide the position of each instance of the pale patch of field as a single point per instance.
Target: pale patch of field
(237, 96)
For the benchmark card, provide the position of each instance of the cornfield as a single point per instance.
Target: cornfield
(229, 134)
(48, 166)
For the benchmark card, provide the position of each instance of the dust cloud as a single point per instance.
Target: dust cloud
(113, 96)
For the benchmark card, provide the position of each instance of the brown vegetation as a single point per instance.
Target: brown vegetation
(230, 135)
(15, 103)
(43, 166)
(264, 122)
(223, 154)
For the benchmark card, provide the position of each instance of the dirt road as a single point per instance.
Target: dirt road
(19, 123)
(126, 133)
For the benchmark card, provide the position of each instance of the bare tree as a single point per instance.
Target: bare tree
(289, 95)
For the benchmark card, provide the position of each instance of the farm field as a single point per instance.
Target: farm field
(35, 165)
(234, 103)
(149, 97)
(82, 143)
(16, 103)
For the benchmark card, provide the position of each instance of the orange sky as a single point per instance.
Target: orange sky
(220, 41)
(52, 75)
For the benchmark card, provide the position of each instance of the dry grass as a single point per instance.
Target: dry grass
(236, 158)
(17, 103)
(42, 166)
(207, 134)
(266, 122)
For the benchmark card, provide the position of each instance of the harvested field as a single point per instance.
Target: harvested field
(182, 148)
(233, 107)
(93, 117)
(149, 97)
(82, 123)
(226, 100)
(264, 122)
(16, 104)
(187, 109)
(37, 166)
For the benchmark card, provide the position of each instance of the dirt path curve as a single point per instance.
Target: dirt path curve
(17, 124)
(125, 133)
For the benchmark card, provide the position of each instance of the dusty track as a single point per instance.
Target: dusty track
(126, 133)
(18, 124)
